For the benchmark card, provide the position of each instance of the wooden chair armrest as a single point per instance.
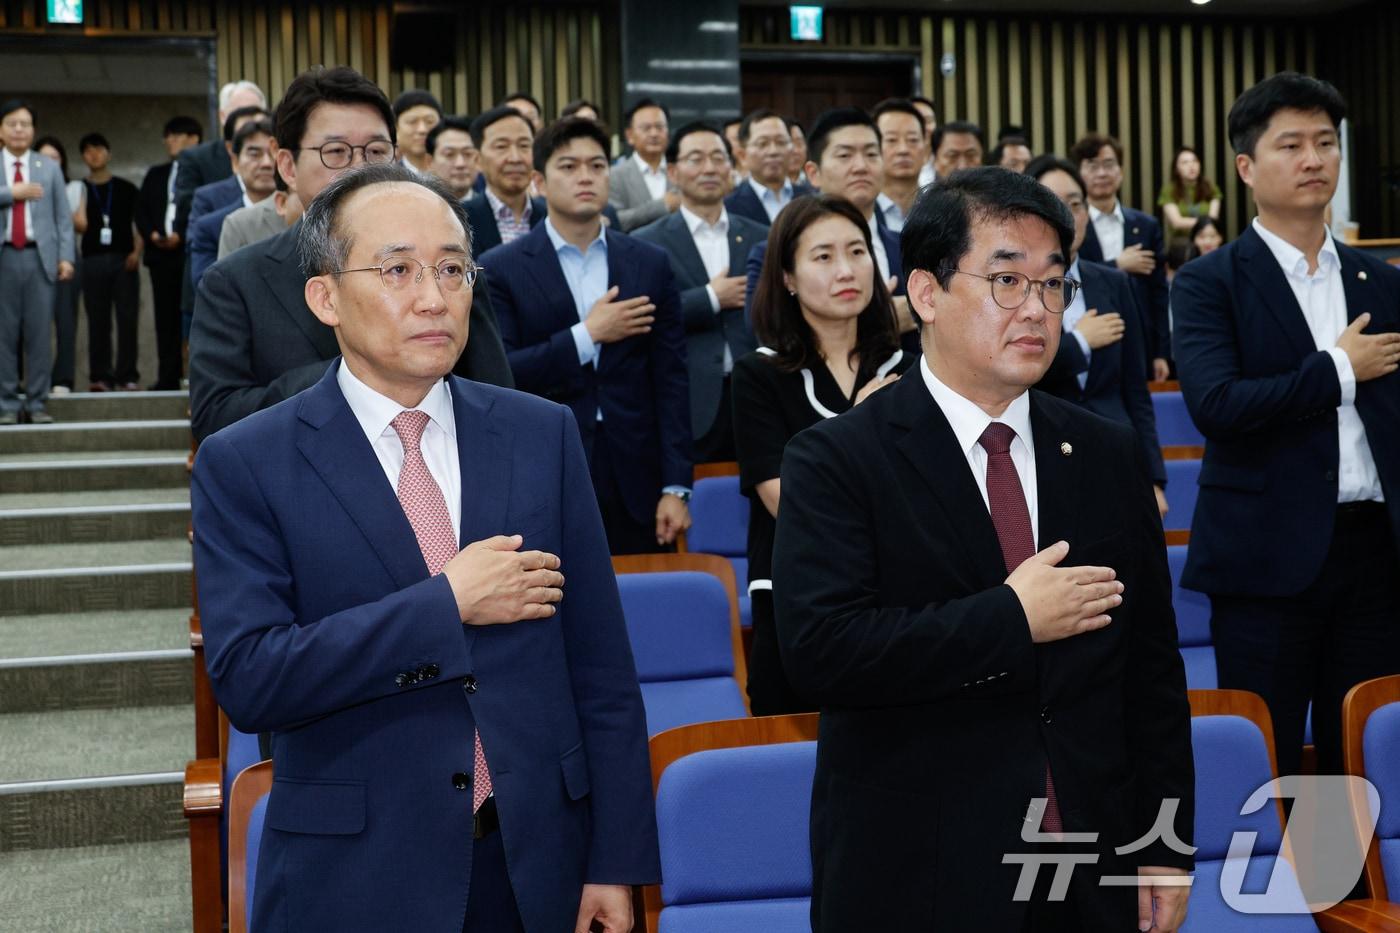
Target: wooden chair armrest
(204, 793)
(203, 805)
(1368, 915)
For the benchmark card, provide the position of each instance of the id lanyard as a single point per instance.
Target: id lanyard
(104, 236)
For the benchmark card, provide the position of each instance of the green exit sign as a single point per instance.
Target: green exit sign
(806, 23)
(69, 12)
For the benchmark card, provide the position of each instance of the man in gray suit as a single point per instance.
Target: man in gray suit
(639, 186)
(36, 230)
(707, 246)
(267, 218)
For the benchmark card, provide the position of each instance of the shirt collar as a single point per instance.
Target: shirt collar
(647, 169)
(765, 193)
(11, 159)
(1116, 213)
(696, 223)
(1291, 259)
(500, 209)
(967, 420)
(374, 411)
(561, 244)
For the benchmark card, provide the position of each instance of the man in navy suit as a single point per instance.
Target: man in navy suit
(503, 137)
(379, 562)
(707, 246)
(1286, 348)
(254, 167)
(1127, 239)
(766, 144)
(592, 318)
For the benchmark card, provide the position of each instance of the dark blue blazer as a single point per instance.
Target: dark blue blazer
(316, 603)
(207, 199)
(486, 234)
(707, 333)
(1116, 386)
(1141, 229)
(204, 239)
(640, 384)
(1266, 400)
(743, 202)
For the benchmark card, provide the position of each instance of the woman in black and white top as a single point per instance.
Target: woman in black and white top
(828, 339)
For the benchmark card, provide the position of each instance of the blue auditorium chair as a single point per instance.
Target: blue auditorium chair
(1174, 425)
(683, 639)
(1181, 492)
(1371, 749)
(719, 515)
(1192, 626)
(246, 809)
(732, 808)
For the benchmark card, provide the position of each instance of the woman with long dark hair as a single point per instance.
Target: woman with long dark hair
(1188, 196)
(827, 339)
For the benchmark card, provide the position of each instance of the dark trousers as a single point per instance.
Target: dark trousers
(65, 326)
(26, 323)
(165, 295)
(716, 445)
(626, 533)
(491, 904)
(107, 285)
(1342, 629)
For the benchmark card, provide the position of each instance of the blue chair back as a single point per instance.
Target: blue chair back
(683, 645)
(1192, 626)
(719, 515)
(734, 844)
(1181, 493)
(247, 809)
(1379, 742)
(1174, 425)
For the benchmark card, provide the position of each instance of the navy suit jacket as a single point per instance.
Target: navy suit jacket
(486, 234)
(639, 384)
(316, 602)
(204, 239)
(207, 199)
(707, 333)
(1141, 229)
(199, 165)
(1116, 386)
(743, 202)
(1266, 400)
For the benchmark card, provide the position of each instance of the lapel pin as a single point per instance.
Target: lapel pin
(740, 239)
(1065, 448)
(1135, 230)
(1361, 276)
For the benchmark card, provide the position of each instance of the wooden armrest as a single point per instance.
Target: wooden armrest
(203, 805)
(204, 793)
(1368, 915)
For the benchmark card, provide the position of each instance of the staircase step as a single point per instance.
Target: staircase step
(76, 633)
(93, 517)
(156, 575)
(133, 888)
(45, 558)
(118, 406)
(97, 681)
(44, 472)
(173, 433)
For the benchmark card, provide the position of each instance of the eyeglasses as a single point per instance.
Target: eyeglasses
(398, 273)
(340, 155)
(1094, 166)
(1011, 289)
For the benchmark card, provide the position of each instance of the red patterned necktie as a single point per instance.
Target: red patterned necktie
(1007, 503)
(19, 236)
(422, 501)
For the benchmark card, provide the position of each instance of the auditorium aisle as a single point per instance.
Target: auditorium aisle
(96, 708)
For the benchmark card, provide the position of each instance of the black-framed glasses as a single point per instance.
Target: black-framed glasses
(1011, 289)
(398, 273)
(340, 155)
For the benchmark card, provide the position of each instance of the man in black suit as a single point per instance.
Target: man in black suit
(165, 252)
(1287, 350)
(1126, 239)
(707, 246)
(766, 190)
(969, 577)
(254, 342)
(591, 318)
(504, 139)
(210, 161)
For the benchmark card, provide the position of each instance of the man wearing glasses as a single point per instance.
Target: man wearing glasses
(969, 578)
(379, 566)
(254, 341)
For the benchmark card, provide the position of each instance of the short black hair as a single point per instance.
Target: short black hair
(641, 105)
(415, 98)
(43, 141)
(561, 132)
(242, 113)
(91, 140)
(831, 121)
(481, 124)
(994, 157)
(250, 129)
(673, 148)
(572, 108)
(1090, 146)
(13, 104)
(1010, 131)
(752, 117)
(521, 95)
(322, 85)
(938, 232)
(459, 124)
(1043, 165)
(941, 131)
(896, 105)
(1288, 90)
(183, 126)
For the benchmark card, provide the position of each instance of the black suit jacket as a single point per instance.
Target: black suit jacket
(199, 165)
(938, 712)
(1266, 399)
(1141, 229)
(486, 234)
(150, 216)
(707, 333)
(1116, 383)
(745, 203)
(254, 342)
(639, 384)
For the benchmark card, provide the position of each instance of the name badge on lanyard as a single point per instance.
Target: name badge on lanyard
(104, 236)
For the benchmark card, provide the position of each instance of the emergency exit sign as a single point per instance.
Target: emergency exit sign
(806, 23)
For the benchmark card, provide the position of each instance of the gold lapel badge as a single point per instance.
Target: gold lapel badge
(1066, 448)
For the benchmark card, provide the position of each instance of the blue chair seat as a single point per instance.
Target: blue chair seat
(1192, 626)
(1174, 425)
(783, 915)
(671, 703)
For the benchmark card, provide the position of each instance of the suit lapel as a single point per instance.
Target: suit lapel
(1355, 284)
(484, 456)
(336, 448)
(681, 245)
(1056, 474)
(739, 246)
(555, 300)
(283, 276)
(1090, 248)
(1265, 274)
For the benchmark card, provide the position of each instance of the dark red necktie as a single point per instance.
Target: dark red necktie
(1012, 519)
(19, 236)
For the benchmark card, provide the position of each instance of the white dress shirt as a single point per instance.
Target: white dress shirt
(882, 258)
(712, 243)
(375, 413)
(772, 201)
(23, 160)
(1068, 322)
(894, 214)
(1324, 304)
(927, 175)
(655, 178)
(1108, 226)
(968, 422)
(168, 225)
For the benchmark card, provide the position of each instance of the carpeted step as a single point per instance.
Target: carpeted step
(51, 634)
(139, 887)
(44, 578)
(48, 471)
(68, 437)
(93, 517)
(118, 406)
(148, 677)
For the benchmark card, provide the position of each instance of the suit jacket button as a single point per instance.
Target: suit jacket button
(1045, 716)
(469, 684)
(431, 671)
(461, 780)
(1330, 476)
(402, 679)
